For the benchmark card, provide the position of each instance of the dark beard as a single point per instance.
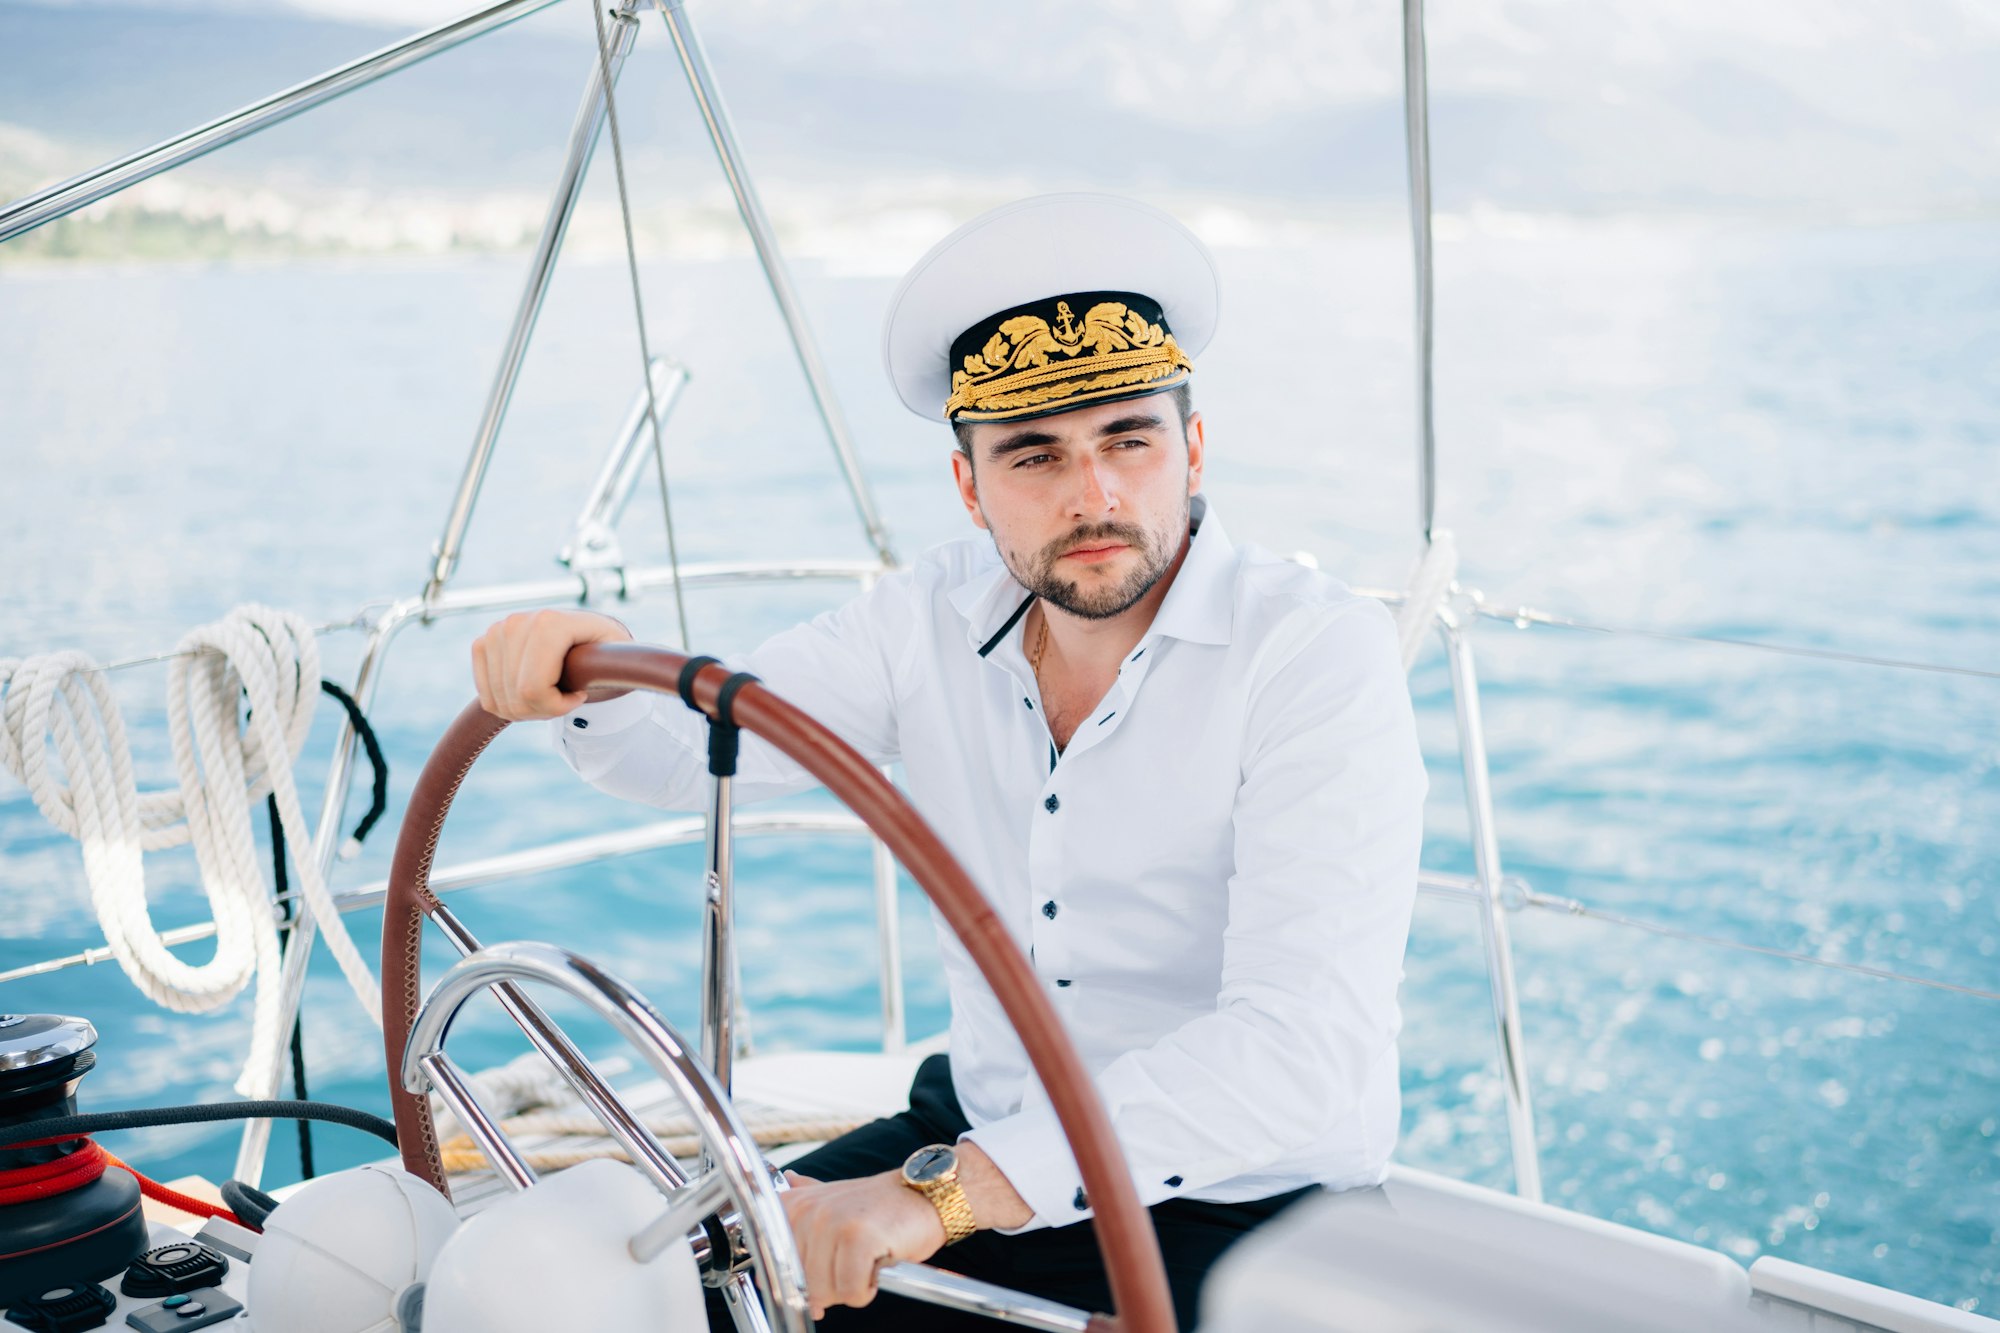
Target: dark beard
(1156, 557)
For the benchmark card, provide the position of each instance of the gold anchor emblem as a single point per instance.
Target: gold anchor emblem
(1067, 331)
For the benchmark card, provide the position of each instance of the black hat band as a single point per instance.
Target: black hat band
(1040, 357)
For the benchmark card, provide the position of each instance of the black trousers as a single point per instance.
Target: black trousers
(1058, 1263)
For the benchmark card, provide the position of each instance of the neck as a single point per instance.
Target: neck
(1086, 645)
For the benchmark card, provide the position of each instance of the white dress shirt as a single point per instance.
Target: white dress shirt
(1214, 880)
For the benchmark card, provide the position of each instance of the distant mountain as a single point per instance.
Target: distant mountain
(492, 117)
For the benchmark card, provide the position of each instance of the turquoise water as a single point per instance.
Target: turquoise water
(1783, 433)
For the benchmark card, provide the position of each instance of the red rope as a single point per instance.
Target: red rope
(187, 1203)
(46, 1179)
(72, 1172)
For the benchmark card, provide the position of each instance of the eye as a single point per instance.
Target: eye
(1032, 459)
(1131, 444)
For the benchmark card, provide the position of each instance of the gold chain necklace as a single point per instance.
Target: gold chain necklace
(1041, 646)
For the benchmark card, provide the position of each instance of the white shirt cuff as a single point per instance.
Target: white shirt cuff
(608, 718)
(1031, 1150)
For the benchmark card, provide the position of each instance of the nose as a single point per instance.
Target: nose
(1092, 497)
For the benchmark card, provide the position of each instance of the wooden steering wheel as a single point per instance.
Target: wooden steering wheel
(1124, 1228)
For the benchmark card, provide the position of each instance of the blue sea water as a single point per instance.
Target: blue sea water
(1776, 432)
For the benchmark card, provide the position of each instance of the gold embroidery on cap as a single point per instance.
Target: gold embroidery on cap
(1028, 363)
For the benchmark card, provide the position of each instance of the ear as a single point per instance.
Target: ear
(968, 490)
(1197, 448)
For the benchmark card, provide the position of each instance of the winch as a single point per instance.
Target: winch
(62, 1214)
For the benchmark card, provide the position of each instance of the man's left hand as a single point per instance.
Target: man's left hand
(847, 1229)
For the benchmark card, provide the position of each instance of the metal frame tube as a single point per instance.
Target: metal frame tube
(708, 99)
(1417, 136)
(888, 932)
(594, 544)
(62, 199)
(569, 188)
(567, 853)
(652, 578)
(718, 941)
(889, 939)
(1493, 917)
(255, 1142)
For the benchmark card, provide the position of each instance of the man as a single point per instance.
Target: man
(1186, 773)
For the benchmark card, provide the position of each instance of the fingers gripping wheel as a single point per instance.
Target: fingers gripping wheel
(1123, 1228)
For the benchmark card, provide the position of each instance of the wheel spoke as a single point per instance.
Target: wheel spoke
(686, 1208)
(954, 1291)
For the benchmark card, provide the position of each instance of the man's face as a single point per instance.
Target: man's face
(1089, 507)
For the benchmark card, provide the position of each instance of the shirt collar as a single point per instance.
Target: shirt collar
(1199, 607)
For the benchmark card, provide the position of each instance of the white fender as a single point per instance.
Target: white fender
(340, 1254)
(556, 1256)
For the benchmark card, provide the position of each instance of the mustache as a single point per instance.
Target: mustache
(1128, 534)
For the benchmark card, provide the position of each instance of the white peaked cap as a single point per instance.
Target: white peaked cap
(1036, 249)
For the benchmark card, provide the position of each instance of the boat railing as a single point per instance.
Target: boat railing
(1494, 893)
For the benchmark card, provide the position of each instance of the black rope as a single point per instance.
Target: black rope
(279, 879)
(102, 1122)
(248, 1202)
(379, 801)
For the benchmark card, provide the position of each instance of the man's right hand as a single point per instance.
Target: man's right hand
(517, 661)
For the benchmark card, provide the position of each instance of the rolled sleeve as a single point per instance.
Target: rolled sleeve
(1327, 826)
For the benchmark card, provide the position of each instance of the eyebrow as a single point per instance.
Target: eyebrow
(1126, 425)
(1014, 444)
(1036, 439)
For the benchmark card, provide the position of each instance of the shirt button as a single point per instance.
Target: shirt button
(1063, 982)
(1052, 804)
(1049, 910)
(1082, 1201)
(1173, 1182)
(579, 722)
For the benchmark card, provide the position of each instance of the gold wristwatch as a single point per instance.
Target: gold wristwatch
(933, 1173)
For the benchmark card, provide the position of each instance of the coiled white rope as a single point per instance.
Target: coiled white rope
(223, 767)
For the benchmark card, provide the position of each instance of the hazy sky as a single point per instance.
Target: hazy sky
(1541, 103)
(1910, 65)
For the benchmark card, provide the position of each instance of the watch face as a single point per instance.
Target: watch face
(929, 1164)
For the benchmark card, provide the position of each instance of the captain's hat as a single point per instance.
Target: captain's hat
(1048, 304)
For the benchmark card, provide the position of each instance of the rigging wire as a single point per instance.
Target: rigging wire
(639, 311)
(1524, 616)
(352, 622)
(1571, 907)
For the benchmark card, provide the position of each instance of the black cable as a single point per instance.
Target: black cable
(278, 876)
(248, 1203)
(101, 1122)
(380, 800)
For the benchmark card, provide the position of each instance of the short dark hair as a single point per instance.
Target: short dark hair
(1182, 395)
